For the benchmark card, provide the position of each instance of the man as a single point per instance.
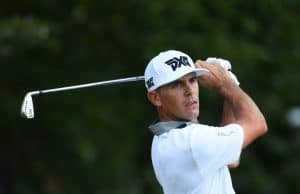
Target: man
(188, 157)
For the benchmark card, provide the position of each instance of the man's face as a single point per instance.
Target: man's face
(179, 99)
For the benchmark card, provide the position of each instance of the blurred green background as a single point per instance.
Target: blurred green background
(96, 140)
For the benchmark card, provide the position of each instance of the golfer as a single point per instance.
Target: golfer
(189, 157)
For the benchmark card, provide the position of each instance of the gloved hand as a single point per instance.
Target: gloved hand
(226, 65)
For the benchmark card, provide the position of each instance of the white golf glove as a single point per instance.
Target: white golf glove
(226, 65)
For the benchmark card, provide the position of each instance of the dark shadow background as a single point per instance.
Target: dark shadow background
(96, 140)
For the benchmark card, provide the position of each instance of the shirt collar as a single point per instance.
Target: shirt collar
(160, 127)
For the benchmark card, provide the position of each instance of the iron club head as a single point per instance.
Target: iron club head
(27, 110)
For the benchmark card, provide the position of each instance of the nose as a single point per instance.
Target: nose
(188, 89)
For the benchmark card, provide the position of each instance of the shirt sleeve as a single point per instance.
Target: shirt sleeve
(215, 147)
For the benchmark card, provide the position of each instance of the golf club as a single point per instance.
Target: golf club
(27, 110)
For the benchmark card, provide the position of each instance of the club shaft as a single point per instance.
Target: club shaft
(74, 87)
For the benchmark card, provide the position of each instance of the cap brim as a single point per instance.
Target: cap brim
(200, 71)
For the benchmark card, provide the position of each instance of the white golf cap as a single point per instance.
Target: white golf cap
(167, 67)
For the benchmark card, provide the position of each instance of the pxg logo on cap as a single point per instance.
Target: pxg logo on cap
(167, 67)
(177, 62)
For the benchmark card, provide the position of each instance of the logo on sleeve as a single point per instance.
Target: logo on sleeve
(178, 62)
(225, 133)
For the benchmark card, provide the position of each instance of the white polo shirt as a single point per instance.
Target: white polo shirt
(194, 159)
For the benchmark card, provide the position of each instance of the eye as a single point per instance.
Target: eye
(193, 79)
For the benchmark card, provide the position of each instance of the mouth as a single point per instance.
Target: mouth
(191, 103)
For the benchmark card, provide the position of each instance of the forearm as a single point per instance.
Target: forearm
(227, 115)
(245, 112)
(239, 103)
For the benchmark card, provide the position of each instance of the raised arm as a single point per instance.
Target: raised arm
(227, 114)
(244, 110)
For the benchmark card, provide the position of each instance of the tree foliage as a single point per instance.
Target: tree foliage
(96, 140)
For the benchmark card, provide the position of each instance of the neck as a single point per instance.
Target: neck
(162, 118)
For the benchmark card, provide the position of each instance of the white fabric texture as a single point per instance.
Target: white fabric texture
(194, 159)
(226, 65)
(222, 62)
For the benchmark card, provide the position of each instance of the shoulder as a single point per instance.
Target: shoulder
(205, 136)
(224, 130)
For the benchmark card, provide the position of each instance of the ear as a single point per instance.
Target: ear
(154, 98)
